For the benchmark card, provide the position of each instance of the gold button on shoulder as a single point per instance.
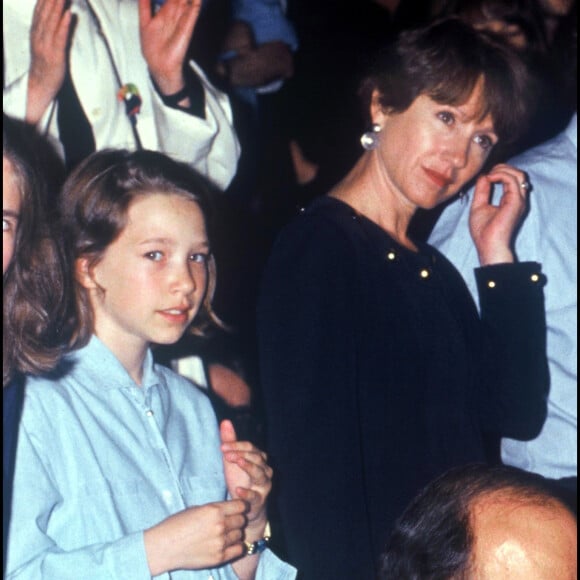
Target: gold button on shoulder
(491, 284)
(535, 278)
(424, 273)
(391, 256)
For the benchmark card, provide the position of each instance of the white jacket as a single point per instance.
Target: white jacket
(210, 145)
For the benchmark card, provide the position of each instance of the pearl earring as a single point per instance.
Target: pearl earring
(370, 139)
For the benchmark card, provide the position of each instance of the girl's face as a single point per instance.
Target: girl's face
(429, 151)
(11, 202)
(152, 279)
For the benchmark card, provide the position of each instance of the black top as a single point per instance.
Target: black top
(378, 375)
(12, 399)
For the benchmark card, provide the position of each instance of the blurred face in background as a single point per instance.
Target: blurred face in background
(556, 7)
(11, 202)
(512, 33)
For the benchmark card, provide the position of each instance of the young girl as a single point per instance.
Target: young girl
(34, 280)
(121, 469)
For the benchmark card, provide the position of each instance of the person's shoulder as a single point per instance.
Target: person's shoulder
(321, 234)
(324, 219)
(48, 398)
(552, 171)
(548, 158)
(50, 386)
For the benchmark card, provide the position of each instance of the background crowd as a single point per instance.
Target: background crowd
(307, 336)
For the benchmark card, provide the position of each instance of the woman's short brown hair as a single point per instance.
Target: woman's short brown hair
(444, 61)
(94, 203)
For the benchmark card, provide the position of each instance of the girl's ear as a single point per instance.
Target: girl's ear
(84, 274)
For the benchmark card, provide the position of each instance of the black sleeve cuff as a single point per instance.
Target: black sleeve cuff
(512, 282)
(193, 89)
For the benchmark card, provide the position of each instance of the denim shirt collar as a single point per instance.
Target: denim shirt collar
(104, 370)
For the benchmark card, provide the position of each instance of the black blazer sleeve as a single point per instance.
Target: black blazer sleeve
(514, 361)
(306, 328)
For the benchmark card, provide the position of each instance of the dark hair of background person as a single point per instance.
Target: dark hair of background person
(37, 306)
(563, 58)
(433, 538)
(94, 204)
(448, 72)
(515, 17)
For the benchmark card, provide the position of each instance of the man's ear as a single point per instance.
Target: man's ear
(84, 273)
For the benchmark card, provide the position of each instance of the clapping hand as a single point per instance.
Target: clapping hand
(198, 537)
(165, 38)
(49, 35)
(248, 477)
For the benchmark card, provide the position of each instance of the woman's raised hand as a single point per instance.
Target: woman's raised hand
(492, 226)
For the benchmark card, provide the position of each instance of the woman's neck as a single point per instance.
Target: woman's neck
(367, 192)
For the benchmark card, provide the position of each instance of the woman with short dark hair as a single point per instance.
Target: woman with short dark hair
(378, 374)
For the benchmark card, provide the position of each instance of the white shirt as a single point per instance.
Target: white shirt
(208, 144)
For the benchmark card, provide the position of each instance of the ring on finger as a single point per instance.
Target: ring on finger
(525, 185)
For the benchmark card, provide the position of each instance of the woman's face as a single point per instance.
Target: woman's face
(428, 152)
(11, 201)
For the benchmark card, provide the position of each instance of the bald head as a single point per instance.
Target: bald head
(484, 523)
(518, 539)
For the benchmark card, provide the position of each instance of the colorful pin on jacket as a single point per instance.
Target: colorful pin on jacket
(129, 94)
